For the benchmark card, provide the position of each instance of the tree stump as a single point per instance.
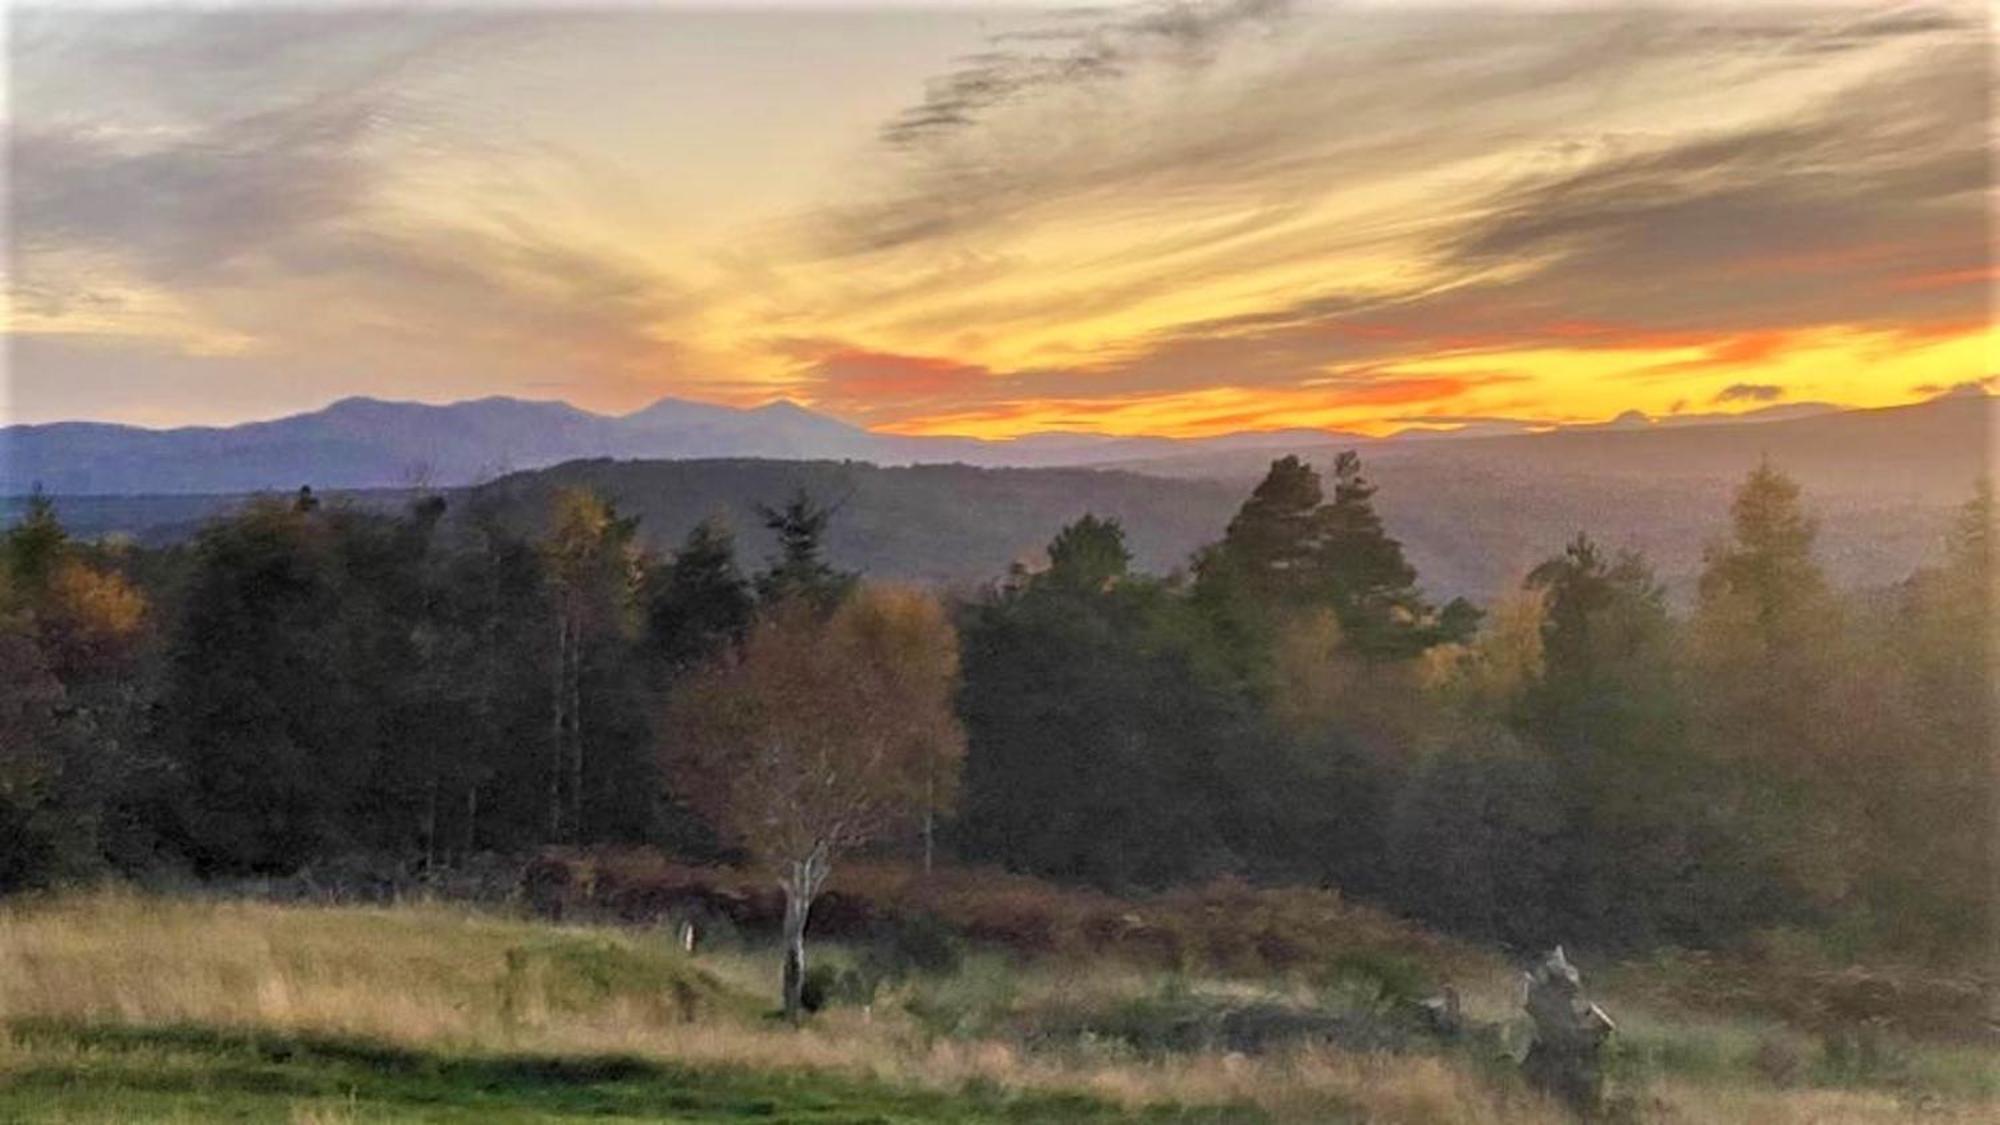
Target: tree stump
(1566, 1058)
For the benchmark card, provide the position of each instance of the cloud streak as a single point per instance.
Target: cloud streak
(280, 224)
(1186, 215)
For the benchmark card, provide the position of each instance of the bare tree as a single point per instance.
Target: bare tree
(821, 733)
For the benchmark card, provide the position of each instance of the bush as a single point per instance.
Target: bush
(919, 944)
(1395, 979)
(827, 985)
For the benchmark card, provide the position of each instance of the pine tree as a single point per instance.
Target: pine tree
(1288, 550)
(1766, 572)
(800, 570)
(1089, 554)
(699, 601)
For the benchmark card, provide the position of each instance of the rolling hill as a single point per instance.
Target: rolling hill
(1474, 513)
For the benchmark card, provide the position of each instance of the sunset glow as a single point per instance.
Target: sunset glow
(996, 220)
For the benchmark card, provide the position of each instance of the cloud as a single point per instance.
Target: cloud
(1968, 388)
(1749, 392)
(1809, 219)
(1185, 34)
(1226, 210)
(864, 384)
(243, 173)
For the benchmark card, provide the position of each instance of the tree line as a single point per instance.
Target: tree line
(1579, 760)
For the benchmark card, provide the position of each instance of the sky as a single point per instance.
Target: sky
(994, 219)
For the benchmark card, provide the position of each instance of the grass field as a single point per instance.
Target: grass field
(126, 1008)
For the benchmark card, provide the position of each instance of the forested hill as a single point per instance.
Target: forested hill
(941, 524)
(1472, 527)
(1468, 530)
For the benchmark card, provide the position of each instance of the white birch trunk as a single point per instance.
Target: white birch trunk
(801, 886)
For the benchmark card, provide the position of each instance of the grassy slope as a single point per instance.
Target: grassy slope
(124, 1008)
(127, 1009)
(118, 1072)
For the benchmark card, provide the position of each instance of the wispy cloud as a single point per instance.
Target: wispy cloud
(1750, 392)
(1185, 215)
(255, 178)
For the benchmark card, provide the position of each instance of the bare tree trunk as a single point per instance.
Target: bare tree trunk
(930, 815)
(558, 699)
(796, 909)
(471, 820)
(576, 735)
(801, 886)
(431, 820)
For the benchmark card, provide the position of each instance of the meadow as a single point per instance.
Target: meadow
(121, 1006)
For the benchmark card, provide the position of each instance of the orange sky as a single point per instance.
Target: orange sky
(987, 220)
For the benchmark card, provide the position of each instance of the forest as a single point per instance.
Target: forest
(1581, 760)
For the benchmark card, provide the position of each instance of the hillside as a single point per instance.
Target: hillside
(1472, 525)
(118, 1007)
(1474, 513)
(945, 524)
(1930, 452)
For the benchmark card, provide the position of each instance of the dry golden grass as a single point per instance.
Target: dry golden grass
(441, 977)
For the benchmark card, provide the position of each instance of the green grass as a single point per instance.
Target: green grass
(112, 1072)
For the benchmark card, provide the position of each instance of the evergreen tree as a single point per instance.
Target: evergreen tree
(269, 731)
(1606, 636)
(1289, 550)
(1933, 840)
(1272, 550)
(1089, 554)
(1095, 736)
(800, 570)
(35, 544)
(1765, 574)
(1650, 852)
(1776, 694)
(699, 602)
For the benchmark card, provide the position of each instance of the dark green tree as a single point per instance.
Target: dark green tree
(1476, 843)
(800, 569)
(1089, 554)
(698, 602)
(1649, 850)
(1288, 550)
(1107, 744)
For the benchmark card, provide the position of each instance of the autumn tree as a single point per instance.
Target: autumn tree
(593, 570)
(1933, 850)
(1766, 632)
(72, 698)
(820, 734)
(1778, 693)
(1762, 585)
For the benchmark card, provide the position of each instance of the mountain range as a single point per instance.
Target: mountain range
(1474, 512)
(370, 443)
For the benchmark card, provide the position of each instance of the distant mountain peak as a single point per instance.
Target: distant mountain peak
(364, 442)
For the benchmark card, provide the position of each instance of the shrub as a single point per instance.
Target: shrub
(919, 919)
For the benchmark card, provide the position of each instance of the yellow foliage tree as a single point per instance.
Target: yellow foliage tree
(819, 734)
